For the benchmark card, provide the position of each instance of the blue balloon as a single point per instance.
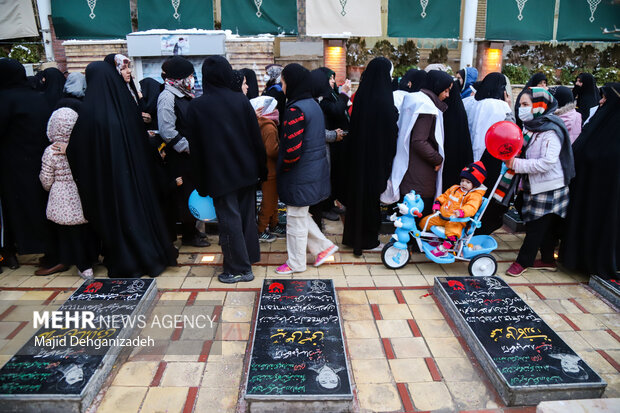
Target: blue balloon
(201, 207)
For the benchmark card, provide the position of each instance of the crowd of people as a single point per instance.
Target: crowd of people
(101, 165)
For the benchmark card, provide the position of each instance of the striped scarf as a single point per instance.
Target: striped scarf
(509, 182)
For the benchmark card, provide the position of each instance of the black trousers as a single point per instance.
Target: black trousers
(236, 216)
(541, 234)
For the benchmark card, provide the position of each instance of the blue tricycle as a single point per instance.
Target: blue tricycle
(476, 249)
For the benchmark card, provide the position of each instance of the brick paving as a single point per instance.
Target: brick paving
(405, 355)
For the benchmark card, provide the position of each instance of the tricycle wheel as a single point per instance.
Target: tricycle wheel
(483, 265)
(394, 258)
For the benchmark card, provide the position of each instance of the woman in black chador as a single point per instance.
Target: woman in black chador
(370, 150)
(592, 239)
(23, 122)
(456, 141)
(114, 169)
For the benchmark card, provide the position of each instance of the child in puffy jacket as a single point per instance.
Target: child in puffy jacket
(77, 244)
(459, 201)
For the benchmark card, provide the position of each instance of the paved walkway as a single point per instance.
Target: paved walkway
(404, 353)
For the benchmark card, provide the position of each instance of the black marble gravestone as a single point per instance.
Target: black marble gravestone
(53, 372)
(298, 349)
(525, 359)
(610, 289)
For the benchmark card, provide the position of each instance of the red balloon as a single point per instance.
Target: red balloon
(504, 140)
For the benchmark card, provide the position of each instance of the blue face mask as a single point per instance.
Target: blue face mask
(525, 113)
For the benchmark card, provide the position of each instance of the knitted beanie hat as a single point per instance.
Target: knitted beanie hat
(475, 172)
(177, 67)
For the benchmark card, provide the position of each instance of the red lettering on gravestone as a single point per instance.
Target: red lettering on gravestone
(276, 288)
(456, 285)
(93, 287)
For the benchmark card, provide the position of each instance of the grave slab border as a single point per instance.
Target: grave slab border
(513, 395)
(346, 398)
(79, 403)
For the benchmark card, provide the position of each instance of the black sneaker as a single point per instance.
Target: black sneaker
(231, 279)
(279, 231)
(196, 241)
(266, 236)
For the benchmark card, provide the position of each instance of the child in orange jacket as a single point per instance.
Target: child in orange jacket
(459, 201)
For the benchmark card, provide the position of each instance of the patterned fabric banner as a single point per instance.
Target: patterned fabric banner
(583, 20)
(438, 19)
(175, 14)
(520, 19)
(333, 17)
(248, 17)
(91, 19)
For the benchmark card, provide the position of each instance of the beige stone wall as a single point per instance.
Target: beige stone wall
(80, 53)
(250, 53)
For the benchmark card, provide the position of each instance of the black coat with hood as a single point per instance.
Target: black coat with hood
(223, 133)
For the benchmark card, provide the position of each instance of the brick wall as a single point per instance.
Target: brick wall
(79, 53)
(250, 53)
(481, 20)
(59, 50)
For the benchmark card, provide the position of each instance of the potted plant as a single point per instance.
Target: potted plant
(357, 55)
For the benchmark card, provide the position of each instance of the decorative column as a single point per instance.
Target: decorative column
(469, 32)
(45, 11)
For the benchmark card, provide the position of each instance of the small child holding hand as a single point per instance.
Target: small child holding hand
(459, 201)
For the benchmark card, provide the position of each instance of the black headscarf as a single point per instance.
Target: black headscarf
(216, 71)
(592, 239)
(53, 85)
(370, 151)
(457, 140)
(237, 80)
(536, 79)
(587, 95)
(12, 73)
(320, 84)
(298, 82)
(114, 168)
(151, 89)
(492, 86)
(563, 95)
(437, 81)
(250, 79)
(417, 79)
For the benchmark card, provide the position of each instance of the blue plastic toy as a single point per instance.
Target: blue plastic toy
(201, 207)
(411, 208)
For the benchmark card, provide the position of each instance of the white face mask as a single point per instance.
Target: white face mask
(525, 113)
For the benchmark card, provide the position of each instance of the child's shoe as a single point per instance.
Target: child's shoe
(325, 254)
(284, 269)
(86, 274)
(442, 250)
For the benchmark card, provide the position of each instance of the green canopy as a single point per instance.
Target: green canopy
(586, 19)
(180, 14)
(520, 19)
(437, 19)
(249, 17)
(91, 19)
